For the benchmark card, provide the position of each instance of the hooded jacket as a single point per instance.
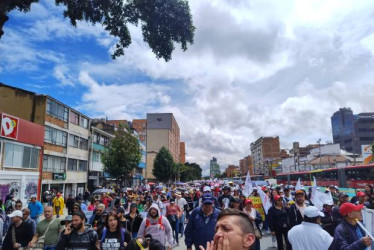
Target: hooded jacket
(159, 228)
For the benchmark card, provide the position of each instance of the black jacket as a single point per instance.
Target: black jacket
(134, 224)
(278, 219)
(294, 216)
(24, 234)
(328, 223)
(74, 240)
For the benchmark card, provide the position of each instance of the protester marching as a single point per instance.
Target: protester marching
(210, 214)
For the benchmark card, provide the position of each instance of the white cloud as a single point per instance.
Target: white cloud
(257, 68)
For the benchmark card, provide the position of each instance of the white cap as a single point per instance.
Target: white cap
(313, 212)
(207, 189)
(15, 213)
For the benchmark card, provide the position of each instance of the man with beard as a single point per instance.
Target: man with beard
(226, 198)
(78, 236)
(157, 226)
(296, 211)
(49, 229)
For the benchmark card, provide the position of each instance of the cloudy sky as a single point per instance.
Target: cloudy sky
(257, 68)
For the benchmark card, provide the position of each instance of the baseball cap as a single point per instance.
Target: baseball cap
(299, 192)
(172, 200)
(341, 195)
(277, 197)
(312, 212)
(248, 201)
(348, 207)
(207, 198)
(67, 218)
(15, 213)
(207, 189)
(33, 196)
(360, 194)
(226, 188)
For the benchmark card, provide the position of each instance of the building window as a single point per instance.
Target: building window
(96, 138)
(83, 144)
(20, 156)
(74, 117)
(84, 122)
(96, 157)
(82, 166)
(73, 141)
(55, 136)
(72, 164)
(57, 110)
(54, 164)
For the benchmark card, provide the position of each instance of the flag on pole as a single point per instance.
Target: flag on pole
(248, 188)
(298, 185)
(265, 200)
(314, 190)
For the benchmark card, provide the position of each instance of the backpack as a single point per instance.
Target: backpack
(159, 222)
(122, 243)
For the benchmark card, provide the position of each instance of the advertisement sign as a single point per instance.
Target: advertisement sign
(9, 126)
(367, 155)
(257, 204)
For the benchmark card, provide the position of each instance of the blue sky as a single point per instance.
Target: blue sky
(257, 68)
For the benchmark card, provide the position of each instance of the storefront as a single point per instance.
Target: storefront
(21, 145)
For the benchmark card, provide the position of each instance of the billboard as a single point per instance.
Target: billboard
(9, 126)
(367, 155)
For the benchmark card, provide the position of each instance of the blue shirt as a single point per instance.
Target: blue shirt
(35, 209)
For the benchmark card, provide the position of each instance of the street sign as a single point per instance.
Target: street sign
(59, 176)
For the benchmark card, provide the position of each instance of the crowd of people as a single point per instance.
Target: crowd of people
(208, 216)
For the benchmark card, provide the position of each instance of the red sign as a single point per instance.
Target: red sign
(9, 126)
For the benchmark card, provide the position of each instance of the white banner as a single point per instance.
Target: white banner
(265, 200)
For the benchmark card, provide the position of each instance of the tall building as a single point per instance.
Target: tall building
(162, 130)
(245, 164)
(66, 134)
(352, 131)
(182, 152)
(265, 153)
(214, 168)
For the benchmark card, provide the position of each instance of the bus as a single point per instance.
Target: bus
(347, 177)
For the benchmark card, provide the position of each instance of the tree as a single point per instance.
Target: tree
(190, 172)
(123, 154)
(164, 166)
(163, 22)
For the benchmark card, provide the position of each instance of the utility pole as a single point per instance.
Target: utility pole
(319, 155)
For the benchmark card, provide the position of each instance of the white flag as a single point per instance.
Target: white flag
(266, 203)
(319, 198)
(314, 190)
(248, 188)
(298, 185)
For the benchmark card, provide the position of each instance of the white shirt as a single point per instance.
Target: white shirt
(309, 236)
(181, 202)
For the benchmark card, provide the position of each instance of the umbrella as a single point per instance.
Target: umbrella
(102, 190)
(180, 183)
(151, 183)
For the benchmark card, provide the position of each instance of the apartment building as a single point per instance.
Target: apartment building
(66, 135)
(162, 130)
(265, 153)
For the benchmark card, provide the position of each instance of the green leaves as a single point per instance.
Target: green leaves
(123, 154)
(163, 166)
(163, 22)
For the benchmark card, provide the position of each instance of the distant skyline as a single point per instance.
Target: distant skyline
(257, 68)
